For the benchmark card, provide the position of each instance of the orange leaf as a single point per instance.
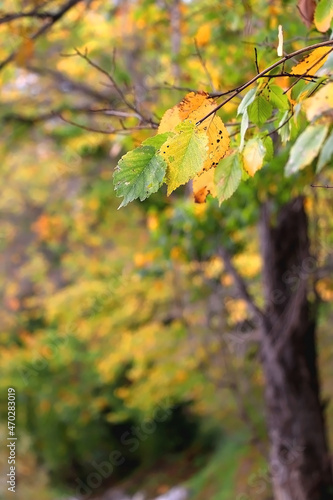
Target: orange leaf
(203, 185)
(25, 52)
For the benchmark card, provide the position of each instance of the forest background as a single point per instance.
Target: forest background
(112, 317)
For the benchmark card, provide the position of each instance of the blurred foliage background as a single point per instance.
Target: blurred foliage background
(109, 315)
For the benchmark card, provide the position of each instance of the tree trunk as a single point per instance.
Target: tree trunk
(299, 457)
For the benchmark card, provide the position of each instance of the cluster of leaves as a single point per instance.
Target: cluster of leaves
(193, 143)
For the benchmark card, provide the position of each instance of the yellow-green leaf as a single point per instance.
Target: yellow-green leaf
(323, 15)
(253, 155)
(184, 153)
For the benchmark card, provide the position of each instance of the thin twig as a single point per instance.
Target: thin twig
(84, 127)
(321, 186)
(116, 86)
(280, 126)
(106, 132)
(8, 18)
(203, 64)
(256, 59)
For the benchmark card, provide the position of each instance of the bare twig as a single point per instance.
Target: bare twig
(8, 18)
(282, 125)
(49, 115)
(203, 64)
(107, 132)
(116, 87)
(256, 59)
(326, 186)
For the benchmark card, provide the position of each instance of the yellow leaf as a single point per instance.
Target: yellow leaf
(253, 156)
(312, 62)
(203, 35)
(320, 103)
(185, 154)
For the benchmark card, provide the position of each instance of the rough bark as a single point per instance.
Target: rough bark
(299, 458)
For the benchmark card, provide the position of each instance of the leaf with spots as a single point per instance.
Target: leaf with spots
(140, 172)
(312, 62)
(321, 103)
(275, 95)
(185, 153)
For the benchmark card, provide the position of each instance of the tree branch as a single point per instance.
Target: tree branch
(111, 130)
(54, 18)
(239, 89)
(35, 13)
(118, 89)
(62, 78)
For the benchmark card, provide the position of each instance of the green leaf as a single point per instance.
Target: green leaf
(268, 144)
(274, 94)
(157, 140)
(306, 148)
(326, 153)
(227, 176)
(323, 15)
(259, 111)
(140, 172)
(246, 101)
(185, 154)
